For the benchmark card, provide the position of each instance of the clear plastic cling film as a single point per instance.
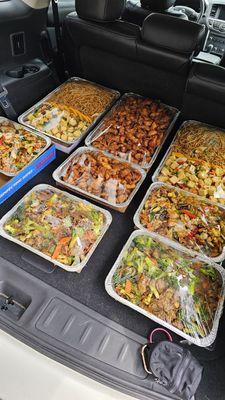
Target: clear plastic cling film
(100, 175)
(18, 146)
(196, 176)
(201, 141)
(134, 129)
(71, 109)
(196, 161)
(186, 219)
(56, 225)
(60, 121)
(182, 292)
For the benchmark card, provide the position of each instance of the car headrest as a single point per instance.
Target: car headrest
(172, 34)
(157, 5)
(100, 10)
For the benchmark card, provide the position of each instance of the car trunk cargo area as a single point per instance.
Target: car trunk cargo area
(71, 318)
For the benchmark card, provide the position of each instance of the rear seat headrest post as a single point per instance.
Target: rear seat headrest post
(172, 34)
(100, 10)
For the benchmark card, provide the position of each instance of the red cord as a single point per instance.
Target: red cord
(150, 338)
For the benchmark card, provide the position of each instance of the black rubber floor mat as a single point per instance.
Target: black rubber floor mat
(75, 335)
(88, 287)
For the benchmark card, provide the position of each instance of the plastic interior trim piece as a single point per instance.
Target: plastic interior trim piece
(37, 4)
(77, 336)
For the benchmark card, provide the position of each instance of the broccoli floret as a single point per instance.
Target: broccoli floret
(164, 263)
(209, 271)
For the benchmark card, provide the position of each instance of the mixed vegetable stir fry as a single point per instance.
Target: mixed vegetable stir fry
(177, 289)
(56, 225)
(18, 147)
(196, 176)
(193, 223)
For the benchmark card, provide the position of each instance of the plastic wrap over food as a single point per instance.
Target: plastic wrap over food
(55, 224)
(186, 219)
(194, 175)
(59, 121)
(134, 129)
(18, 146)
(182, 293)
(201, 141)
(196, 161)
(70, 110)
(100, 175)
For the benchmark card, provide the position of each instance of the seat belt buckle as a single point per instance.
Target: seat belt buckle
(6, 104)
(3, 97)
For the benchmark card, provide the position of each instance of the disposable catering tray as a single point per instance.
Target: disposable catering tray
(75, 267)
(156, 178)
(69, 145)
(35, 135)
(100, 130)
(200, 253)
(121, 207)
(206, 140)
(219, 193)
(180, 296)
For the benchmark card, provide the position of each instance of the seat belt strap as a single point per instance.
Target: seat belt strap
(6, 104)
(60, 58)
(55, 11)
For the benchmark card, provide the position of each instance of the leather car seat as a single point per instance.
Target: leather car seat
(154, 60)
(136, 13)
(204, 98)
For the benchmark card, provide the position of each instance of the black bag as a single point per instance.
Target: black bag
(172, 366)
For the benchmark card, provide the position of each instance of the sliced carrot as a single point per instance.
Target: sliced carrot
(189, 214)
(128, 286)
(59, 245)
(117, 289)
(71, 109)
(65, 240)
(179, 154)
(153, 260)
(88, 235)
(56, 251)
(80, 114)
